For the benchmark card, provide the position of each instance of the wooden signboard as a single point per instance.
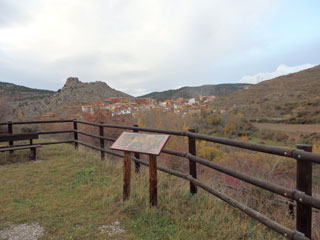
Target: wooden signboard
(140, 143)
(151, 144)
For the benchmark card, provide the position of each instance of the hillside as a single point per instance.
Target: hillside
(16, 96)
(192, 92)
(292, 96)
(67, 100)
(17, 93)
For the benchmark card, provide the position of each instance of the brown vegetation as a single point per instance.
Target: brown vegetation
(4, 109)
(274, 99)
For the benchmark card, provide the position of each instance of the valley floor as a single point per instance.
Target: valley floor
(74, 195)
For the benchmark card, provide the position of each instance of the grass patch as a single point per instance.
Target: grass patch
(71, 194)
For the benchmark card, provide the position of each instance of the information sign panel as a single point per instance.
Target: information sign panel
(140, 143)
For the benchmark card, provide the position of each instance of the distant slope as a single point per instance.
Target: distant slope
(16, 93)
(15, 96)
(192, 92)
(281, 97)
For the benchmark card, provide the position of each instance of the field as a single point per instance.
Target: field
(290, 128)
(74, 195)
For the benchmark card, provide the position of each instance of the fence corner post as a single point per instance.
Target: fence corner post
(136, 155)
(304, 184)
(101, 133)
(192, 164)
(75, 134)
(10, 131)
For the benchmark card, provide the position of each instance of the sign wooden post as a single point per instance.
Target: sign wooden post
(153, 180)
(126, 175)
(151, 144)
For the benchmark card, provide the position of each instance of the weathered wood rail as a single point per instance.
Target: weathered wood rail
(11, 138)
(302, 195)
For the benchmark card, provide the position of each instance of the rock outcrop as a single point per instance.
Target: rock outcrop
(77, 92)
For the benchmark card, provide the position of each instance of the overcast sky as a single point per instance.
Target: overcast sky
(139, 46)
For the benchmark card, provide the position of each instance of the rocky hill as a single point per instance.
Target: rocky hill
(192, 92)
(78, 92)
(287, 97)
(68, 100)
(75, 93)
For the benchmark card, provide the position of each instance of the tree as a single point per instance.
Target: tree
(235, 124)
(20, 114)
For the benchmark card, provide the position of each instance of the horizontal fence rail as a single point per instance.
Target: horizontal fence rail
(10, 131)
(288, 193)
(37, 122)
(304, 200)
(95, 136)
(280, 151)
(55, 132)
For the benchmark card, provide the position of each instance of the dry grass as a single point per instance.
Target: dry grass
(72, 194)
(291, 128)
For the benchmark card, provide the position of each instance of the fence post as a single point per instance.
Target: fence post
(10, 131)
(75, 134)
(126, 175)
(101, 141)
(304, 184)
(136, 155)
(192, 164)
(153, 180)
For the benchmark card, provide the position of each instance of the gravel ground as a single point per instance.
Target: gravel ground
(112, 229)
(22, 232)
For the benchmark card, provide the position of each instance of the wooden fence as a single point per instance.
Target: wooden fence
(302, 195)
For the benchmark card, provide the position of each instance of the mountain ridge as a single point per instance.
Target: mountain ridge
(196, 91)
(14, 91)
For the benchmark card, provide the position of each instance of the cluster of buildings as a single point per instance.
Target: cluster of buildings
(132, 106)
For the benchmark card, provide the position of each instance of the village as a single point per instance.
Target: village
(132, 106)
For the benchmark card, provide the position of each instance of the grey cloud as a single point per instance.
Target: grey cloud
(138, 45)
(11, 13)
